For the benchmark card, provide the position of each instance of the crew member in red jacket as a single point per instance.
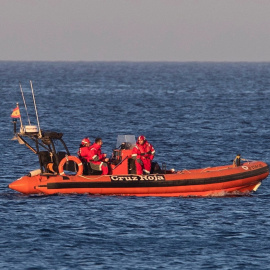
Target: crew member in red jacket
(97, 158)
(143, 153)
(84, 151)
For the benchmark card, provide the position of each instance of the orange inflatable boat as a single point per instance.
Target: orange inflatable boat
(60, 172)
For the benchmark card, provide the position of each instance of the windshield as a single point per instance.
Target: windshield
(130, 139)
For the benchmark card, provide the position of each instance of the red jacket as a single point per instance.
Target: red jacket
(84, 153)
(95, 154)
(143, 151)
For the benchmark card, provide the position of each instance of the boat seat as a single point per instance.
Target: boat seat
(155, 168)
(88, 170)
(131, 166)
(61, 155)
(69, 165)
(45, 159)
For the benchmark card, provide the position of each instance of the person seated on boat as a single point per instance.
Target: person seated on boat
(84, 150)
(98, 160)
(143, 153)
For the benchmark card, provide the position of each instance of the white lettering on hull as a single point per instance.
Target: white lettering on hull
(138, 178)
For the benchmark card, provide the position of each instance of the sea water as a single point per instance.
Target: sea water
(196, 115)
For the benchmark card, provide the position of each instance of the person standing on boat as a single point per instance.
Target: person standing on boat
(97, 158)
(84, 150)
(143, 153)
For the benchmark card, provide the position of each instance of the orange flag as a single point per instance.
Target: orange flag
(16, 113)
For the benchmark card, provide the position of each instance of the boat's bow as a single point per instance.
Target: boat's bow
(26, 184)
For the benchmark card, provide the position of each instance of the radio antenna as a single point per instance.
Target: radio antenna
(39, 131)
(25, 105)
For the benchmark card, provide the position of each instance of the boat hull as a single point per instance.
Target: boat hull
(215, 181)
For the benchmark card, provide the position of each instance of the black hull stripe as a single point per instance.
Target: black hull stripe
(166, 183)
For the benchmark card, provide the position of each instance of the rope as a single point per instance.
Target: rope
(98, 177)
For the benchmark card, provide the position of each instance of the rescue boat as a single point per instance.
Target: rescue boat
(61, 172)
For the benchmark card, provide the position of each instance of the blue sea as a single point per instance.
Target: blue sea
(196, 115)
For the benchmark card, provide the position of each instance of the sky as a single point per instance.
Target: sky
(135, 30)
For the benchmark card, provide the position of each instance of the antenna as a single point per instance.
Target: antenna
(39, 131)
(25, 105)
(20, 115)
